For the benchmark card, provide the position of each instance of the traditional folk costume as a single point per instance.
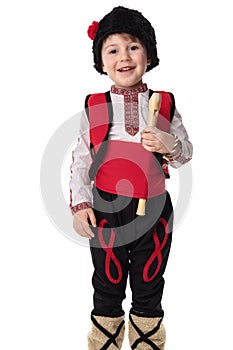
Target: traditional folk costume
(110, 172)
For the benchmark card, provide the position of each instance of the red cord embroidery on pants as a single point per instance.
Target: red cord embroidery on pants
(157, 253)
(109, 253)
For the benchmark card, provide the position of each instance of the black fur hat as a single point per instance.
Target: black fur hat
(123, 20)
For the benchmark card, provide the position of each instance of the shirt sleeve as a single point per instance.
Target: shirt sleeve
(80, 184)
(184, 150)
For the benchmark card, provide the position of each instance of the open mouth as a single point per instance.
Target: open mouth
(125, 69)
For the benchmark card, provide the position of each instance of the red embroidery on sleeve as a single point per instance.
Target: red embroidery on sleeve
(80, 206)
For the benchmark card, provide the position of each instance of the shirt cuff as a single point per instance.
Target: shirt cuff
(80, 206)
(176, 151)
(177, 158)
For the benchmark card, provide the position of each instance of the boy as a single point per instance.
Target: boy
(126, 161)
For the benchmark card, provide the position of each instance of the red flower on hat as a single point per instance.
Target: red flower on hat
(92, 29)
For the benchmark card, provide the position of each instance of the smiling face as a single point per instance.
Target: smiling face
(124, 59)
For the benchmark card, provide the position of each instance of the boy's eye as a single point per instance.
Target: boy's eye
(113, 51)
(134, 47)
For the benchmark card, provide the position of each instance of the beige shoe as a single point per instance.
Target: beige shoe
(106, 333)
(146, 333)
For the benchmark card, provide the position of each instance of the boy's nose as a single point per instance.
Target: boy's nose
(125, 56)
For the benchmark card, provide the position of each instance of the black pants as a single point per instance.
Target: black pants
(129, 245)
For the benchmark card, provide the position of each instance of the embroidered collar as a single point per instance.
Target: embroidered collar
(123, 91)
(130, 107)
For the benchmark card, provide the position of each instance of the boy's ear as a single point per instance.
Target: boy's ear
(103, 67)
(148, 61)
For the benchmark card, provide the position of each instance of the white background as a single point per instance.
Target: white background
(46, 72)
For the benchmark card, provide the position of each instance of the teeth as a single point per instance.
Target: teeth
(126, 68)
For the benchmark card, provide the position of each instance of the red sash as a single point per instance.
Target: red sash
(130, 170)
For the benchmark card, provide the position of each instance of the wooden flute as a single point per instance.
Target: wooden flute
(153, 112)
